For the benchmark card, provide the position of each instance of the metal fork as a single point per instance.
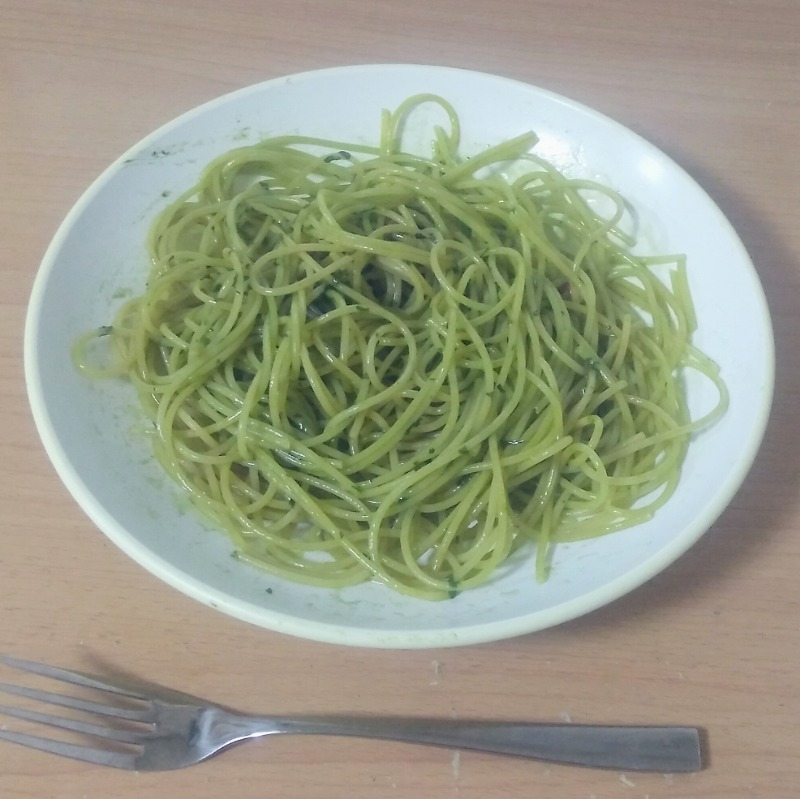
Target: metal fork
(160, 729)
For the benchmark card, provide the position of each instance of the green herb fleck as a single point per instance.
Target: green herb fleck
(453, 592)
(341, 155)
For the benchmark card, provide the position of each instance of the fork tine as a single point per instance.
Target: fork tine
(123, 736)
(65, 675)
(78, 704)
(88, 754)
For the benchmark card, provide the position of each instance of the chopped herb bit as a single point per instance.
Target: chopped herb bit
(105, 330)
(453, 592)
(341, 155)
(268, 590)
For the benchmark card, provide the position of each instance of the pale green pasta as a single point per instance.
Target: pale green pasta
(367, 364)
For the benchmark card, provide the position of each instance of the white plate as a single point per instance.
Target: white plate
(92, 430)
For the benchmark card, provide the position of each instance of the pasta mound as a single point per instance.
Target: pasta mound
(368, 364)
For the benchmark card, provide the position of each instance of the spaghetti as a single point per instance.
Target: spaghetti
(368, 364)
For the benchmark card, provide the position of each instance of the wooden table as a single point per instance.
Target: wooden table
(713, 641)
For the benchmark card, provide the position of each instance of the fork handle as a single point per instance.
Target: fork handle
(662, 749)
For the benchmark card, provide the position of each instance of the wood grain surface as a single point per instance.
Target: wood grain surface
(713, 641)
